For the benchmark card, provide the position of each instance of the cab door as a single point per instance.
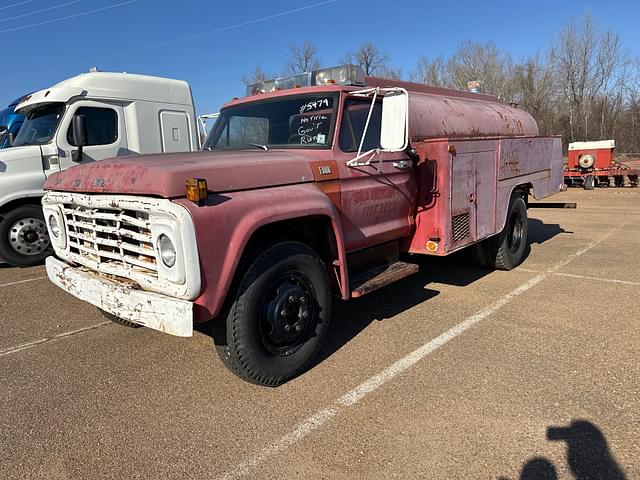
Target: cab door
(377, 199)
(106, 133)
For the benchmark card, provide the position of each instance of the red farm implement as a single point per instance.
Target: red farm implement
(591, 164)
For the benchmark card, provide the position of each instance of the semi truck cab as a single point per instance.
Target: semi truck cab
(120, 115)
(311, 186)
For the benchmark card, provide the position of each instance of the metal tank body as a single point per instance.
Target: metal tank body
(443, 113)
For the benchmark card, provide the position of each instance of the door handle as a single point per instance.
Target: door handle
(402, 164)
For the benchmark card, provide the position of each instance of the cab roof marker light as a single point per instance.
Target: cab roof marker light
(341, 75)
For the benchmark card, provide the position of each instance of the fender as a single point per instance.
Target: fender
(36, 195)
(226, 223)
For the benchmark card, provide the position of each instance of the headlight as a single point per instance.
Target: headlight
(167, 250)
(54, 227)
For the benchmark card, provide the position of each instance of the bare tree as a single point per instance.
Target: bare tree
(369, 57)
(256, 75)
(484, 63)
(533, 90)
(589, 68)
(389, 72)
(432, 72)
(301, 59)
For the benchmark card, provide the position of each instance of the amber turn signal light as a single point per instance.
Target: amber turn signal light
(197, 190)
(432, 246)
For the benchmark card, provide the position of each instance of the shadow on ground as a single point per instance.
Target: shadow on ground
(540, 232)
(458, 269)
(588, 455)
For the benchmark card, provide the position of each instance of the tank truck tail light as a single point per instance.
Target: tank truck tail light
(197, 190)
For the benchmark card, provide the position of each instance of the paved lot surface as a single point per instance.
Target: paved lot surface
(454, 373)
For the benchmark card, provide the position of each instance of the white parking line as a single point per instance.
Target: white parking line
(585, 277)
(370, 385)
(21, 281)
(59, 336)
(610, 280)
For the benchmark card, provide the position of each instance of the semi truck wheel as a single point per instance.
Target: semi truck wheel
(24, 239)
(279, 315)
(506, 250)
(589, 182)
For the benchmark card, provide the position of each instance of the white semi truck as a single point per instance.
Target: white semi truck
(86, 118)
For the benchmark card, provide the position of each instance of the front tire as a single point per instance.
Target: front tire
(507, 250)
(279, 315)
(24, 239)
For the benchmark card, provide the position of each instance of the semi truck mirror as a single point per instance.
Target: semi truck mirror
(395, 113)
(79, 129)
(79, 134)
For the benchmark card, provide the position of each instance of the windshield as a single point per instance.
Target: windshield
(4, 116)
(40, 125)
(300, 122)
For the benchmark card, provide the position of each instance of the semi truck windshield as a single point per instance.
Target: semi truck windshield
(300, 122)
(40, 125)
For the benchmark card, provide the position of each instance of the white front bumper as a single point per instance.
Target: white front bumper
(153, 310)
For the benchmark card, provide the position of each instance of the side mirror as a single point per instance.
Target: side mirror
(12, 139)
(394, 135)
(79, 130)
(79, 135)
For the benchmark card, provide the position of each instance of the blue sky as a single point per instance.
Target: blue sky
(141, 36)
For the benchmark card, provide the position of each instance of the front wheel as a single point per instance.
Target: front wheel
(506, 250)
(279, 315)
(24, 240)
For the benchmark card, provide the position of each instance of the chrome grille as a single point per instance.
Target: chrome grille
(460, 227)
(116, 238)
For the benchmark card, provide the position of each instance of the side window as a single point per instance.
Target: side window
(102, 126)
(354, 119)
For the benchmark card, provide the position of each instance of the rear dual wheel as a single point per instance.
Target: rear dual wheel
(279, 316)
(507, 250)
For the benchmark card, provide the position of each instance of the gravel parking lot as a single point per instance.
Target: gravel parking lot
(456, 372)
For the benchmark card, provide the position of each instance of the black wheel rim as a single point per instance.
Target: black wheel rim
(516, 232)
(289, 314)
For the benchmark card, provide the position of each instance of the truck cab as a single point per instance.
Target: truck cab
(310, 187)
(10, 123)
(122, 114)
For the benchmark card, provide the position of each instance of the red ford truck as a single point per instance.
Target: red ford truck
(309, 186)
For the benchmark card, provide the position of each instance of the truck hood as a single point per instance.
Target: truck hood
(165, 174)
(20, 159)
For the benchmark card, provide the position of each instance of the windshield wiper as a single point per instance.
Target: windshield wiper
(259, 145)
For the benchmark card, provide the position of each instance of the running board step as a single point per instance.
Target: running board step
(367, 282)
